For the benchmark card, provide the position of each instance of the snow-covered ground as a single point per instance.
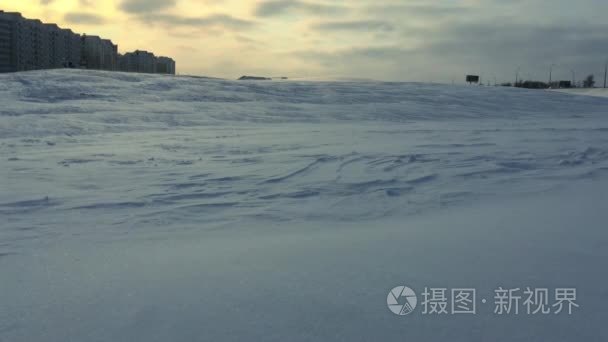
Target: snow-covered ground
(153, 208)
(601, 92)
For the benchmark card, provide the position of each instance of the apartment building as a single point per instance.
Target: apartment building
(165, 65)
(57, 51)
(109, 53)
(12, 53)
(6, 50)
(29, 44)
(73, 46)
(139, 61)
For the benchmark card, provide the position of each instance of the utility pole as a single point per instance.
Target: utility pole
(551, 74)
(605, 73)
(573, 77)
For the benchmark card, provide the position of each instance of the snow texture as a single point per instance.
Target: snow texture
(157, 208)
(600, 92)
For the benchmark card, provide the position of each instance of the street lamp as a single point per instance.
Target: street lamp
(551, 74)
(517, 75)
(573, 77)
(605, 73)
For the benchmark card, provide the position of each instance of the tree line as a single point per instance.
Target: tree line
(588, 82)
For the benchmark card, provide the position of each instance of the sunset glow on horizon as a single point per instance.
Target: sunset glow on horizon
(385, 40)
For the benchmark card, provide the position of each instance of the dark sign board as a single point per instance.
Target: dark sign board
(472, 78)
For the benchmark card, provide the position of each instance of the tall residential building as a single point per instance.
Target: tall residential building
(91, 52)
(57, 46)
(139, 61)
(109, 55)
(72, 44)
(100, 54)
(165, 65)
(27, 44)
(12, 48)
(7, 51)
(38, 43)
(65, 51)
(21, 41)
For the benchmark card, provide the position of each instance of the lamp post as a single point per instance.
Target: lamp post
(573, 78)
(517, 75)
(551, 74)
(605, 73)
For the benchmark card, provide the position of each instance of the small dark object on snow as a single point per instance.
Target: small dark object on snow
(254, 78)
(472, 79)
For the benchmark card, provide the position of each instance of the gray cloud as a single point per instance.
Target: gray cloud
(434, 11)
(408, 39)
(492, 48)
(271, 8)
(83, 18)
(217, 21)
(504, 43)
(357, 25)
(145, 6)
(365, 54)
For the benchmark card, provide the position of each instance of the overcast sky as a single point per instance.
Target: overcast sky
(407, 40)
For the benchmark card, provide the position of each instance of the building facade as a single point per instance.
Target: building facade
(6, 43)
(29, 44)
(165, 65)
(99, 54)
(139, 61)
(91, 52)
(109, 55)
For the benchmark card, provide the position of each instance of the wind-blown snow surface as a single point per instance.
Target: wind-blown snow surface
(601, 92)
(152, 208)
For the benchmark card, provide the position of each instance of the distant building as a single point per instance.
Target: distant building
(29, 44)
(73, 46)
(8, 46)
(109, 60)
(16, 45)
(91, 52)
(121, 62)
(138, 61)
(165, 65)
(99, 54)
(58, 46)
(40, 44)
(145, 62)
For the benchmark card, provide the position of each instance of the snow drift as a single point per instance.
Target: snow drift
(145, 207)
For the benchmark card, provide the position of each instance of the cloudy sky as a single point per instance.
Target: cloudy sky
(409, 40)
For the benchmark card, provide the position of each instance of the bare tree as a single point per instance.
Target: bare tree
(589, 82)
